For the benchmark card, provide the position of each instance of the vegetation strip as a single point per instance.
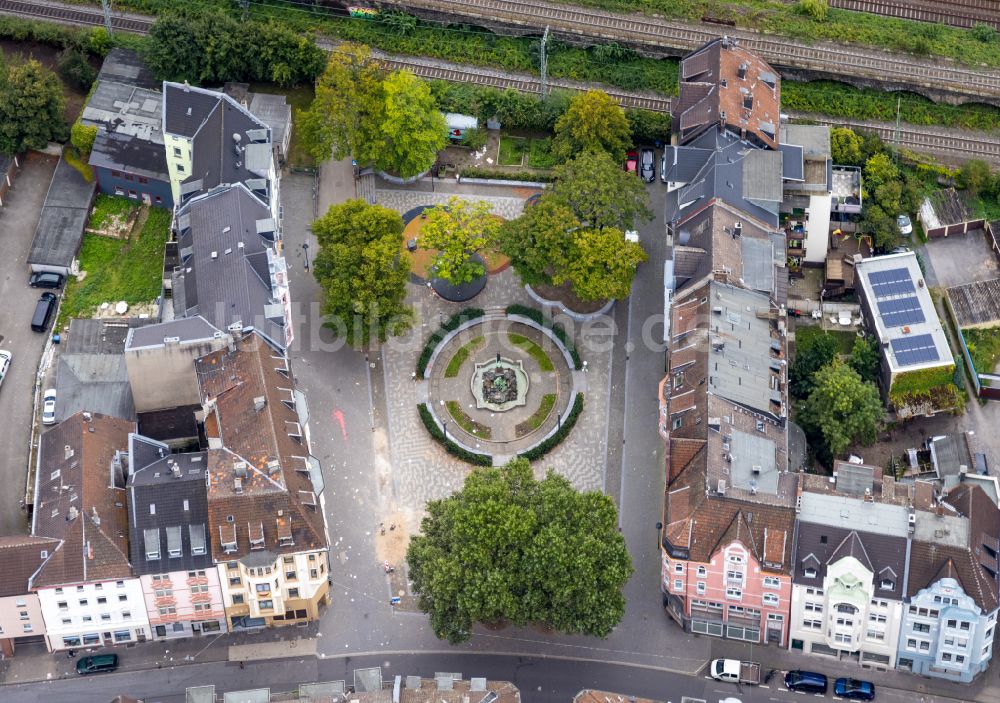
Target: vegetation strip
(456, 451)
(466, 422)
(537, 417)
(546, 446)
(461, 355)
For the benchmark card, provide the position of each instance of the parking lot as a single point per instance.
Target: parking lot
(18, 219)
(961, 258)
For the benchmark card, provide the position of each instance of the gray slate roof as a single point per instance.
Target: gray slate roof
(96, 383)
(184, 329)
(126, 66)
(121, 152)
(125, 109)
(63, 218)
(179, 518)
(274, 111)
(96, 336)
(235, 286)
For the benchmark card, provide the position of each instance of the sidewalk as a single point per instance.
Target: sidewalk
(32, 663)
(984, 689)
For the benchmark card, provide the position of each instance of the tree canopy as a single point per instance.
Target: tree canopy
(811, 354)
(865, 358)
(846, 146)
(208, 45)
(539, 242)
(841, 409)
(361, 272)
(412, 129)
(509, 547)
(593, 122)
(603, 263)
(458, 230)
(600, 192)
(32, 107)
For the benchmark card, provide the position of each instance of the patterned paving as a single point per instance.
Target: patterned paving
(405, 200)
(422, 470)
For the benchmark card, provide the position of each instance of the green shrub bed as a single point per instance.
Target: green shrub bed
(984, 347)
(543, 448)
(466, 422)
(533, 350)
(538, 417)
(449, 325)
(456, 451)
(557, 329)
(455, 365)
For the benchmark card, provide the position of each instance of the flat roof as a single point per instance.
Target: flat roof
(63, 218)
(900, 305)
(814, 139)
(126, 109)
(181, 330)
(948, 530)
(753, 464)
(854, 514)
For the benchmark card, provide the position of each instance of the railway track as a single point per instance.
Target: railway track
(936, 141)
(825, 58)
(957, 13)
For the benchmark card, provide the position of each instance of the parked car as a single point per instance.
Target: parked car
(44, 308)
(97, 663)
(5, 357)
(663, 166)
(853, 689)
(735, 671)
(647, 165)
(632, 161)
(904, 224)
(45, 279)
(899, 250)
(49, 407)
(805, 681)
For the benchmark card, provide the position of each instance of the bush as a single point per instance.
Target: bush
(475, 139)
(82, 137)
(557, 329)
(449, 325)
(984, 33)
(499, 175)
(920, 383)
(74, 68)
(456, 451)
(543, 448)
(648, 126)
(816, 9)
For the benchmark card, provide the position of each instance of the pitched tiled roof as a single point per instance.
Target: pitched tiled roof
(80, 499)
(819, 546)
(21, 557)
(261, 478)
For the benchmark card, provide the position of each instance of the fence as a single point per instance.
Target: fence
(987, 385)
(959, 228)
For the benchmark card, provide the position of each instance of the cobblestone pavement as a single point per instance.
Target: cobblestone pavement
(405, 200)
(421, 469)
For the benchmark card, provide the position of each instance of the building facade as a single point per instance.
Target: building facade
(20, 611)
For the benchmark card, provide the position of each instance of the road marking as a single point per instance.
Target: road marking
(339, 417)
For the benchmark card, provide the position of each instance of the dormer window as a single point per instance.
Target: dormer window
(151, 539)
(227, 538)
(887, 585)
(809, 572)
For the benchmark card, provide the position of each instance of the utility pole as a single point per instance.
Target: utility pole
(245, 4)
(545, 64)
(106, 6)
(895, 134)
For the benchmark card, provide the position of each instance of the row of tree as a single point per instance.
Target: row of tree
(32, 107)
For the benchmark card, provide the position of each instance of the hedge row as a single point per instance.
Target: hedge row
(557, 329)
(456, 451)
(497, 174)
(543, 448)
(449, 325)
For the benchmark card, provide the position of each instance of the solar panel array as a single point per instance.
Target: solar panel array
(897, 312)
(917, 349)
(891, 282)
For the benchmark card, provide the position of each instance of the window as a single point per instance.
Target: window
(845, 622)
(71, 641)
(158, 199)
(129, 177)
(232, 565)
(953, 623)
(293, 593)
(734, 593)
(814, 607)
(312, 573)
(676, 423)
(846, 609)
(102, 601)
(877, 635)
(167, 610)
(126, 615)
(123, 636)
(678, 568)
(58, 591)
(122, 598)
(27, 627)
(263, 588)
(177, 151)
(200, 589)
(701, 588)
(771, 599)
(23, 615)
(876, 618)
(911, 644)
(67, 621)
(959, 658)
(843, 638)
(291, 576)
(235, 581)
(965, 625)
(105, 617)
(702, 572)
(678, 585)
(772, 582)
(180, 168)
(734, 576)
(312, 557)
(202, 607)
(119, 584)
(949, 641)
(62, 605)
(116, 174)
(238, 599)
(267, 605)
(143, 179)
(812, 624)
(88, 618)
(83, 602)
(925, 646)
(887, 584)
(809, 573)
(946, 657)
(164, 592)
(79, 589)
(288, 560)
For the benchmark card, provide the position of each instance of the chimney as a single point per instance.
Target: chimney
(259, 402)
(90, 551)
(238, 484)
(72, 514)
(94, 517)
(87, 417)
(175, 470)
(187, 89)
(273, 467)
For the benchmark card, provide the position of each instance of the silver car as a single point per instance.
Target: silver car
(49, 407)
(5, 357)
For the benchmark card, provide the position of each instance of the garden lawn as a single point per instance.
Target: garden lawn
(455, 365)
(540, 154)
(106, 207)
(845, 340)
(512, 150)
(466, 422)
(984, 347)
(119, 269)
(537, 417)
(535, 351)
(300, 98)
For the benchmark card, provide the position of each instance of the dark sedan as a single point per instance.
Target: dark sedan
(647, 165)
(854, 689)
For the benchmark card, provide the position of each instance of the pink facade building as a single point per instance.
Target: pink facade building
(184, 603)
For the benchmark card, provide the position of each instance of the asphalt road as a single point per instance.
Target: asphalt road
(18, 219)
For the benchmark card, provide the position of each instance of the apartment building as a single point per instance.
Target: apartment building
(86, 590)
(169, 541)
(265, 489)
(20, 611)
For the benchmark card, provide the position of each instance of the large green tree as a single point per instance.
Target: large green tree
(459, 230)
(361, 272)
(600, 192)
(812, 353)
(593, 122)
(846, 146)
(32, 108)
(539, 242)
(509, 547)
(603, 264)
(841, 409)
(413, 130)
(343, 119)
(865, 358)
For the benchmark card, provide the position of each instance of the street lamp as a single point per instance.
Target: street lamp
(305, 248)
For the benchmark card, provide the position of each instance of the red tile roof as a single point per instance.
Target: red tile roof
(80, 500)
(260, 478)
(21, 557)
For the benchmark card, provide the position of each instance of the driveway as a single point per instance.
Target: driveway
(18, 219)
(962, 258)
